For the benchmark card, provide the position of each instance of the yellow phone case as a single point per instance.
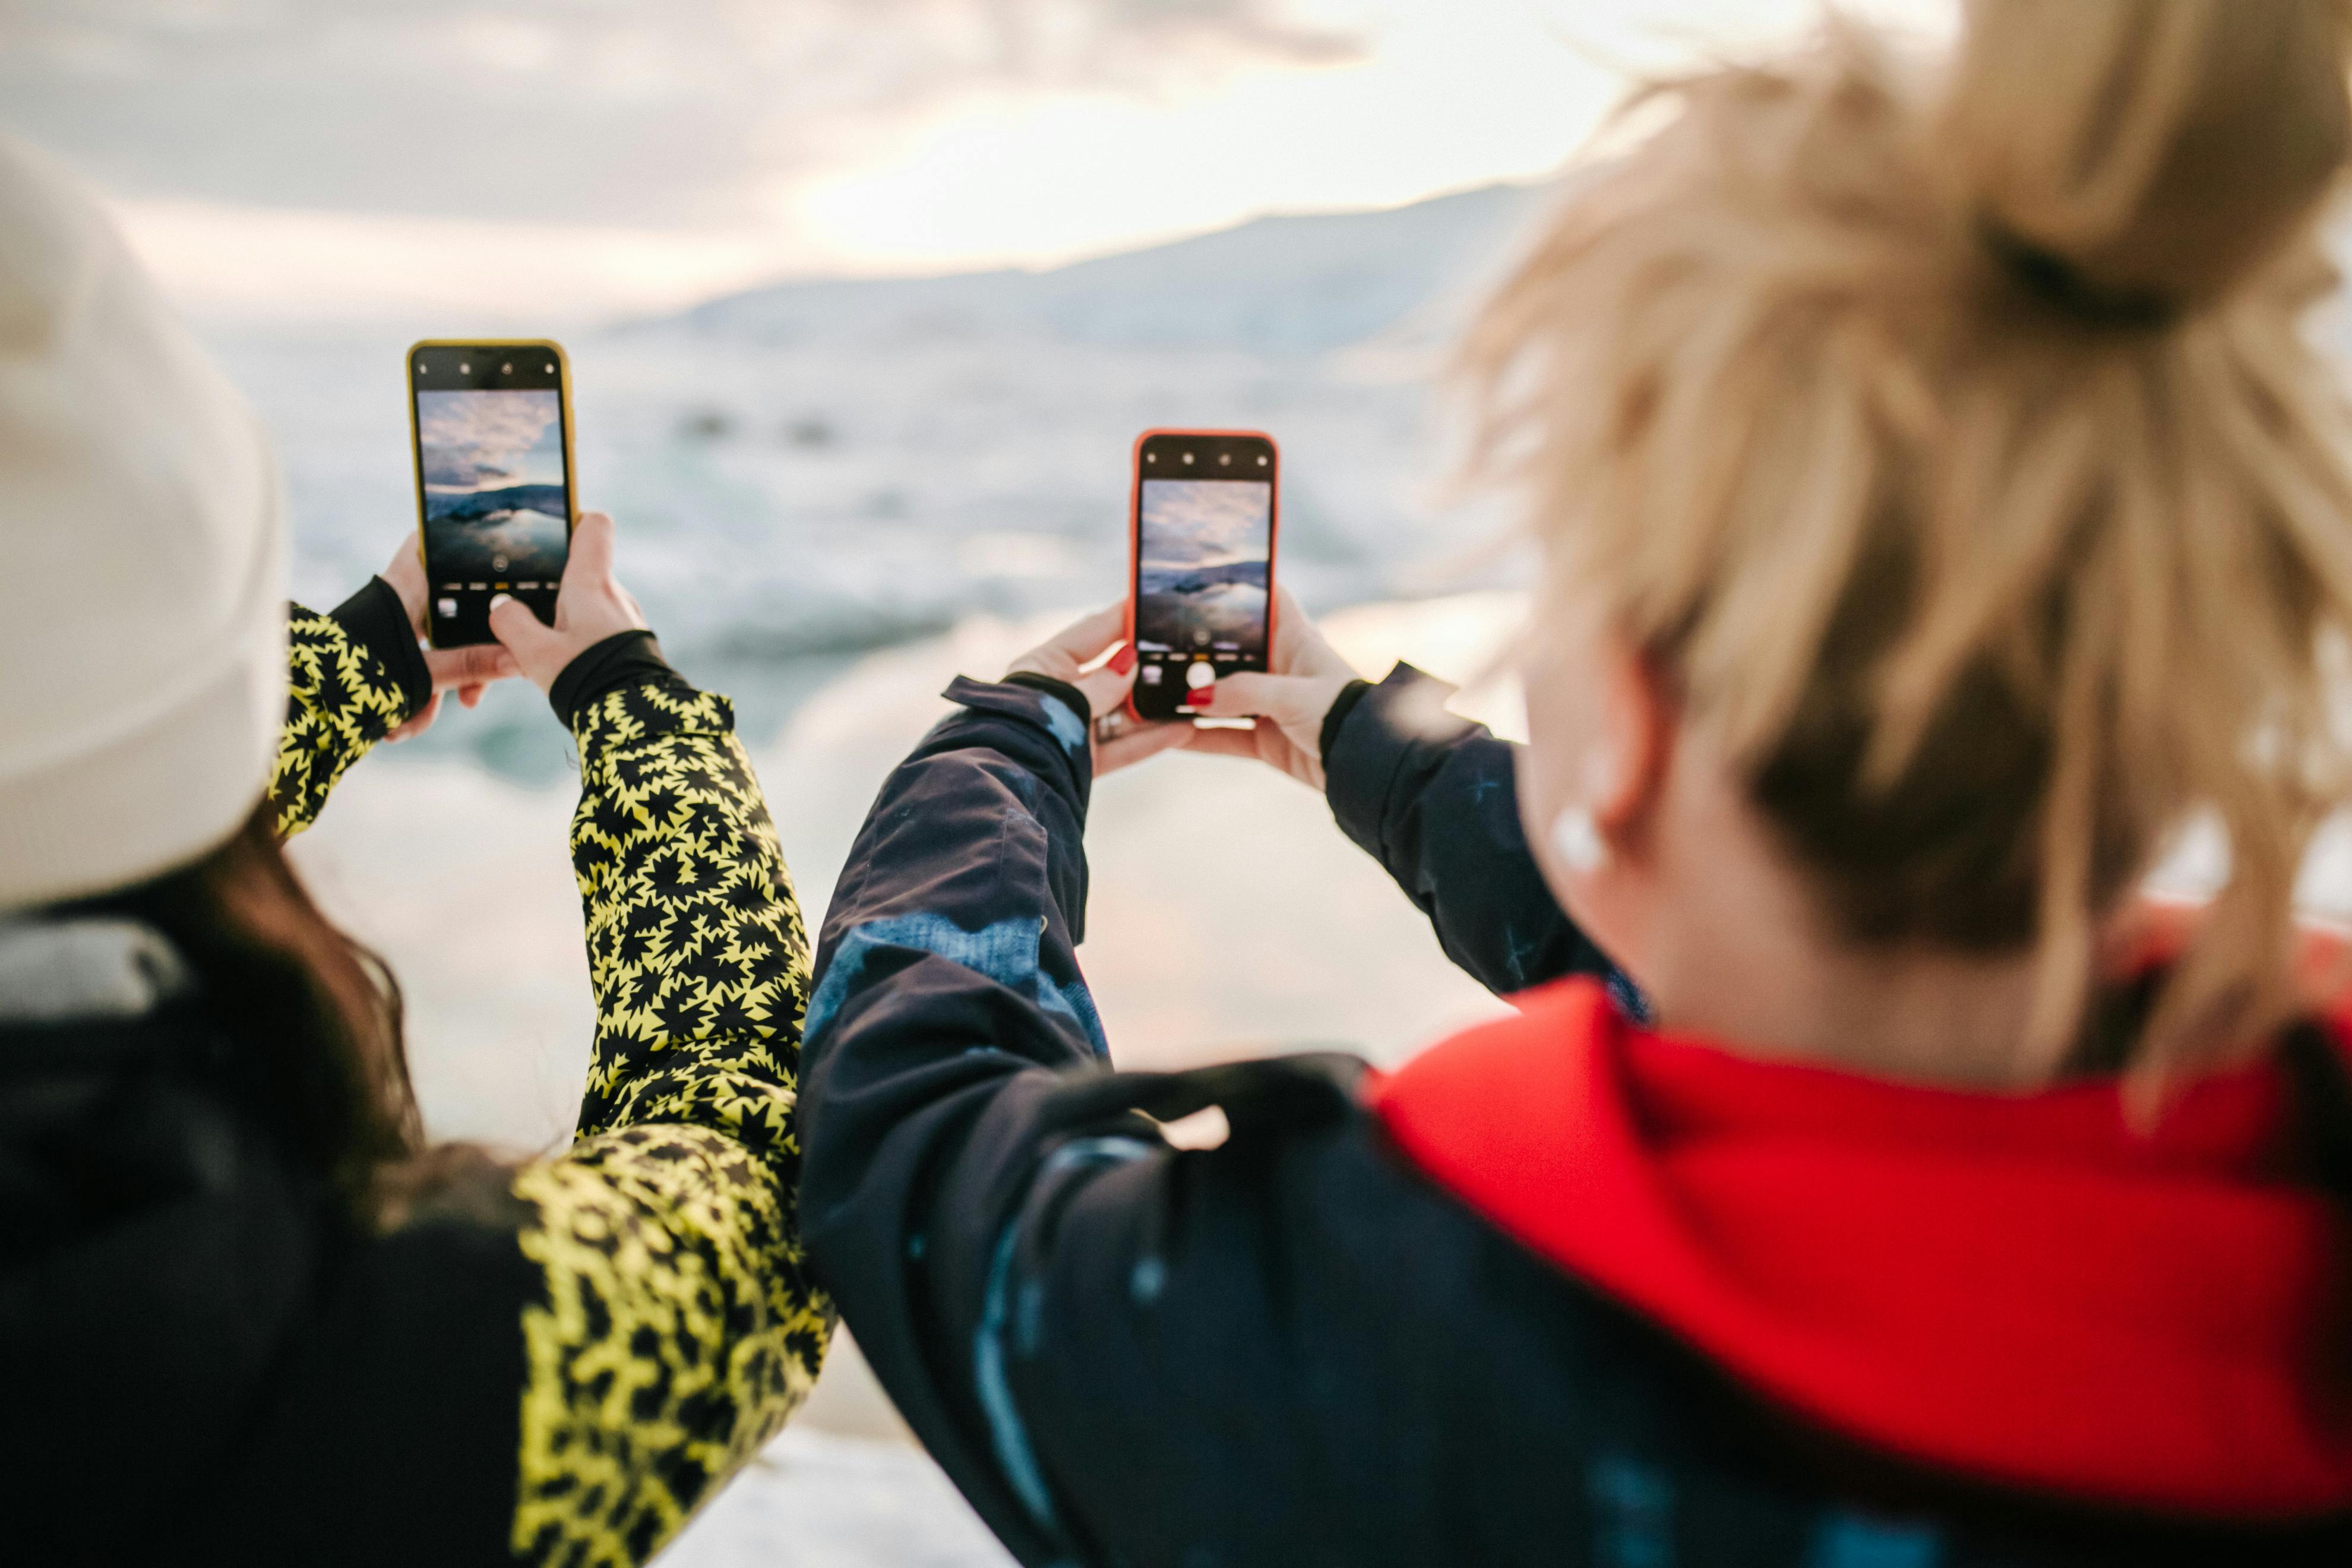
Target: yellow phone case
(416, 440)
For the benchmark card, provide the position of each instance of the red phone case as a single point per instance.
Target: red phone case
(1135, 534)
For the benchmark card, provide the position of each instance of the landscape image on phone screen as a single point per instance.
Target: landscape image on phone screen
(496, 499)
(1204, 546)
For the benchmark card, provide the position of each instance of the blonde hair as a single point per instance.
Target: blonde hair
(1949, 438)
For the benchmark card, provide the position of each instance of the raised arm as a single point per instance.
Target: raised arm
(1434, 799)
(355, 674)
(358, 675)
(948, 976)
(1115, 1350)
(558, 1362)
(678, 1327)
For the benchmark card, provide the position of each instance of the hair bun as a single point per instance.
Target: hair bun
(2061, 285)
(2128, 155)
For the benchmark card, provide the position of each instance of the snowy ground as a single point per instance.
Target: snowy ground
(817, 1499)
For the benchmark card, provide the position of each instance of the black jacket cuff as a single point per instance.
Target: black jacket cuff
(378, 622)
(1337, 718)
(1061, 691)
(624, 658)
(1366, 746)
(1056, 707)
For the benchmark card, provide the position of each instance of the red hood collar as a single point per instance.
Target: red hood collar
(2021, 1290)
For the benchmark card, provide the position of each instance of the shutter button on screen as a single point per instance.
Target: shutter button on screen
(1199, 675)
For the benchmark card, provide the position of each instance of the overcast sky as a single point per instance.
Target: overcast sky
(341, 157)
(478, 439)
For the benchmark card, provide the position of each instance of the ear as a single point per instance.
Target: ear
(1632, 748)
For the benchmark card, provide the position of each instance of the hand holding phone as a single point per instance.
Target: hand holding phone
(589, 606)
(464, 670)
(491, 430)
(1289, 702)
(1075, 655)
(1201, 604)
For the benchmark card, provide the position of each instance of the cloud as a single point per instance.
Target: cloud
(473, 439)
(611, 113)
(1202, 523)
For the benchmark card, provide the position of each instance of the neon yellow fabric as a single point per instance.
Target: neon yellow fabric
(679, 1328)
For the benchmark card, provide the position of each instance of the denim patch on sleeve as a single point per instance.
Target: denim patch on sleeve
(1005, 951)
(1068, 727)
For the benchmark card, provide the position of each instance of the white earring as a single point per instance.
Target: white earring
(1576, 837)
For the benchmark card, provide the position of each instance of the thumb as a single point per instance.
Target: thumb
(1286, 699)
(524, 635)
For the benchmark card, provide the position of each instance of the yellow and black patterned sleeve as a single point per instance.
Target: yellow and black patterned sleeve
(679, 1327)
(356, 676)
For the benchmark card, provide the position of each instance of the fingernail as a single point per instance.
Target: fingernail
(498, 599)
(1123, 661)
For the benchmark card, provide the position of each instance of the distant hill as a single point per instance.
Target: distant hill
(1200, 579)
(1302, 284)
(481, 504)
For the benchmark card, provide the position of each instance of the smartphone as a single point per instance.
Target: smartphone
(1201, 599)
(491, 425)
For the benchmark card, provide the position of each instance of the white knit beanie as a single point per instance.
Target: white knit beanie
(143, 614)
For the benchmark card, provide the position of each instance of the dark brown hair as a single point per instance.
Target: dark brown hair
(316, 1024)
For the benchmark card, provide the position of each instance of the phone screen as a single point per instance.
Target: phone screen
(494, 477)
(1205, 524)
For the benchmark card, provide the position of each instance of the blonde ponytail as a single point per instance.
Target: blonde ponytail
(2161, 146)
(1954, 441)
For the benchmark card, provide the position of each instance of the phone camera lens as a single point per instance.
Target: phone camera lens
(1226, 458)
(1263, 460)
(1187, 457)
(506, 370)
(465, 369)
(551, 370)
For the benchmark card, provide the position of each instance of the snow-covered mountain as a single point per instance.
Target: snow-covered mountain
(806, 471)
(1292, 284)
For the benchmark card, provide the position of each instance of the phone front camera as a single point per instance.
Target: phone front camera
(1227, 459)
(506, 370)
(551, 370)
(1187, 457)
(465, 369)
(1263, 460)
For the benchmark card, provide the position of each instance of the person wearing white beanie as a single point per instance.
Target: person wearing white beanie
(246, 1313)
(135, 490)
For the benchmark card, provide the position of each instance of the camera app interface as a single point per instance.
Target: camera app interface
(1202, 565)
(497, 500)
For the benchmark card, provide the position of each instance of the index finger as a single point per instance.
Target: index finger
(475, 664)
(1085, 640)
(591, 547)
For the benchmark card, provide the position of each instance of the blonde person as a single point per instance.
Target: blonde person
(1940, 513)
(246, 1315)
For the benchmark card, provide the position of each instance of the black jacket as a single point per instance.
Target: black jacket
(204, 1358)
(1291, 1349)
